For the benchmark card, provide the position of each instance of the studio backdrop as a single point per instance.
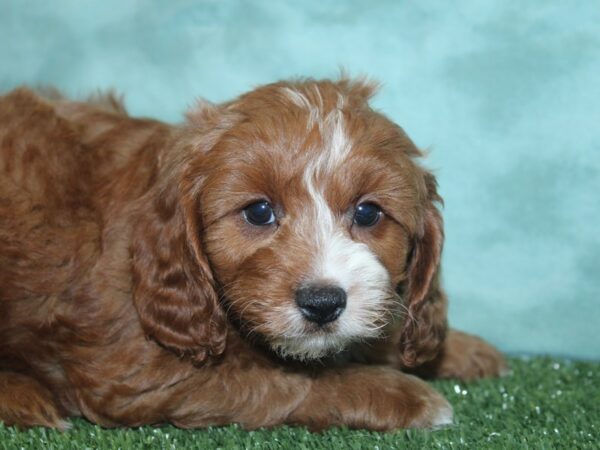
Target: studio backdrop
(504, 96)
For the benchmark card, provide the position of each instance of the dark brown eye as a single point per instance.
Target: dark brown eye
(259, 213)
(367, 214)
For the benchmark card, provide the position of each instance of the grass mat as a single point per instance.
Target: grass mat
(545, 403)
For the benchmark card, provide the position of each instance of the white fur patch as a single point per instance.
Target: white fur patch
(355, 268)
(338, 260)
(302, 101)
(297, 98)
(443, 417)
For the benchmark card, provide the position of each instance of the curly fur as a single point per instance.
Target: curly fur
(132, 290)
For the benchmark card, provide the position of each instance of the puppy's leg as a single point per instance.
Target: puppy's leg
(255, 390)
(25, 402)
(370, 397)
(465, 357)
(374, 398)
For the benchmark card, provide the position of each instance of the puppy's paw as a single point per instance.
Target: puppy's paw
(372, 398)
(468, 357)
(24, 402)
(437, 413)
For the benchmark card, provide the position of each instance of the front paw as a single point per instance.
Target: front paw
(436, 412)
(415, 402)
(468, 357)
(373, 398)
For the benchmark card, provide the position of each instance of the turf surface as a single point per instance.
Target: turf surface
(545, 403)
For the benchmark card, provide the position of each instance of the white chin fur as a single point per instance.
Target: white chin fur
(303, 344)
(310, 347)
(363, 318)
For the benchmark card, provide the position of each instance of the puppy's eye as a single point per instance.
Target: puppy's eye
(367, 214)
(259, 213)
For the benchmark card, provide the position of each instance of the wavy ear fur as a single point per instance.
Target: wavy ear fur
(174, 289)
(425, 325)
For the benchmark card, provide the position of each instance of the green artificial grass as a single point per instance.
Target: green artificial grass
(544, 403)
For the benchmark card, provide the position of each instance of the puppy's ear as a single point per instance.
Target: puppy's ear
(174, 289)
(425, 325)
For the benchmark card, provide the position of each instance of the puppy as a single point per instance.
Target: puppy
(274, 260)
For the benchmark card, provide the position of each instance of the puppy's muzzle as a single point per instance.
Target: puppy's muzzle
(321, 304)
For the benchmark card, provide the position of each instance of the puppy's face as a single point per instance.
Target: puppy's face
(309, 202)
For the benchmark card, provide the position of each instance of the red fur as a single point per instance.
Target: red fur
(133, 292)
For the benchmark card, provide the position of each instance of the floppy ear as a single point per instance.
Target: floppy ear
(425, 325)
(174, 290)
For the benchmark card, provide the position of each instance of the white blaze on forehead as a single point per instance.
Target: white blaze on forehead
(337, 143)
(315, 108)
(335, 149)
(338, 259)
(302, 101)
(297, 98)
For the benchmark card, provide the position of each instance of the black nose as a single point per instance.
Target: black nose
(321, 304)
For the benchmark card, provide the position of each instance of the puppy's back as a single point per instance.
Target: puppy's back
(68, 171)
(48, 222)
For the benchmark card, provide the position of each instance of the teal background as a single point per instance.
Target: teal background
(505, 95)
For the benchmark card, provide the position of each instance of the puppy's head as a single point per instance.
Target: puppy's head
(311, 215)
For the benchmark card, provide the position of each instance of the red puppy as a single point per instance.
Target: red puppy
(192, 274)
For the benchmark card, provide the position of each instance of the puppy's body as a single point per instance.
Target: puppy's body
(115, 229)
